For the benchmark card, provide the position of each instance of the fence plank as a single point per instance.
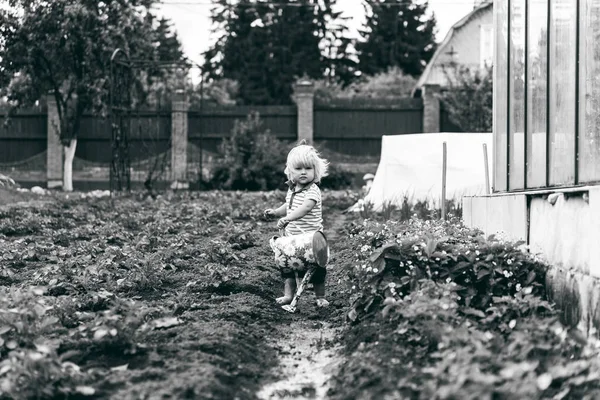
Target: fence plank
(347, 126)
(208, 128)
(22, 136)
(356, 129)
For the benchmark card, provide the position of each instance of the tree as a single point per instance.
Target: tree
(336, 44)
(251, 158)
(221, 92)
(469, 98)
(63, 48)
(266, 46)
(396, 33)
(392, 83)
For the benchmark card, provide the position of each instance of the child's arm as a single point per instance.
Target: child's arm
(278, 212)
(297, 213)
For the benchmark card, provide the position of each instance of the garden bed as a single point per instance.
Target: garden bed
(137, 297)
(440, 312)
(173, 296)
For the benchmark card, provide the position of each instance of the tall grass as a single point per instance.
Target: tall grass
(408, 208)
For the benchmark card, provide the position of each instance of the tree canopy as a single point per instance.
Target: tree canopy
(63, 47)
(396, 33)
(469, 98)
(266, 46)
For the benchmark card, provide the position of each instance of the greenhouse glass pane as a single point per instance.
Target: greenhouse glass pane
(517, 95)
(589, 129)
(563, 29)
(500, 96)
(537, 79)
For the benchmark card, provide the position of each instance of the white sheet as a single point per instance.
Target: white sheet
(411, 165)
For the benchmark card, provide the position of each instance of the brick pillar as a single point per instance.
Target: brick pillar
(431, 108)
(304, 95)
(54, 152)
(179, 140)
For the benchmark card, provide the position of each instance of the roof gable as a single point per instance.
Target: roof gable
(451, 32)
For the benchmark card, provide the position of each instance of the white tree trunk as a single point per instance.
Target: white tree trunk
(68, 165)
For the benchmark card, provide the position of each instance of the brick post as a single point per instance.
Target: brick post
(179, 140)
(431, 108)
(54, 152)
(304, 95)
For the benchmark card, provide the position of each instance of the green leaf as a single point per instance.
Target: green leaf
(472, 311)
(483, 273)
(85, 390)
(382, 251)
(460, 266)
(352, 315)
(530, 277)
(430, 247)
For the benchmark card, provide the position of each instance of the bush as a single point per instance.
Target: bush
(392, 83)
(251, 159)
(405, 253)
(337, 179)
(469, 98)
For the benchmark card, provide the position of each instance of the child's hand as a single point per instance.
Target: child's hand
(269, 212)
(282, 223)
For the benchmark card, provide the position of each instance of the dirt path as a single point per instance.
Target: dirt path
(309, 352)
(308, 358)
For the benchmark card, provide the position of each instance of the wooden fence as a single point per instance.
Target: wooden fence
(208, 128)
(355, 128)
(348, 128)
(24, 137)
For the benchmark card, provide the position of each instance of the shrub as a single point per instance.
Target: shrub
(251, 159)
(337, 179)
(405, 253)
(393, 83)
(469, 98)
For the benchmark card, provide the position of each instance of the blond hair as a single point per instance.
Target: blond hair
(304, 155)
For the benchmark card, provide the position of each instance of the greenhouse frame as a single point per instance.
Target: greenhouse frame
(546, 139)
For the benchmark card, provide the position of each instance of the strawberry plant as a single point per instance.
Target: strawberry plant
(41, 374)
(24, 318)
(439, 311)
(404, 253)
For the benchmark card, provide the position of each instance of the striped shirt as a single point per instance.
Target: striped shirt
(311, 222)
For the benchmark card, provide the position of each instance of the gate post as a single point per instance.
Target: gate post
(431, 108)
(54, 149)
(304, 95)
(179, 140)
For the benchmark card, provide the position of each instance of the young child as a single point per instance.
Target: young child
(301, 214)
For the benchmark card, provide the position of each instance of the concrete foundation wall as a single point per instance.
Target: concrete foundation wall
(563, 228)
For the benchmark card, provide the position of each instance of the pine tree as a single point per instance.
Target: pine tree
(168, 47)
(336, 44)
(266, 46)
(396, 33)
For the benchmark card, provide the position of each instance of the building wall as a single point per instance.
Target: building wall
(547, 147)
(465, 43)
(561, 228)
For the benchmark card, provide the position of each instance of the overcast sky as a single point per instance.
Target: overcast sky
(191, 19)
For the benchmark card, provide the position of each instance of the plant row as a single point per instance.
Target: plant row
(441, 312)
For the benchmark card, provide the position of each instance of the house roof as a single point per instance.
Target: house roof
(463, 21)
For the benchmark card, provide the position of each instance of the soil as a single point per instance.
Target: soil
(308, 356)
(231, 340)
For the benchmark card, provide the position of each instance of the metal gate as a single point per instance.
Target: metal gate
(121, 81)
(140, 115)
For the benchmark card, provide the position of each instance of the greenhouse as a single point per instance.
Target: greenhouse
(546, 135)
(547, 94)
